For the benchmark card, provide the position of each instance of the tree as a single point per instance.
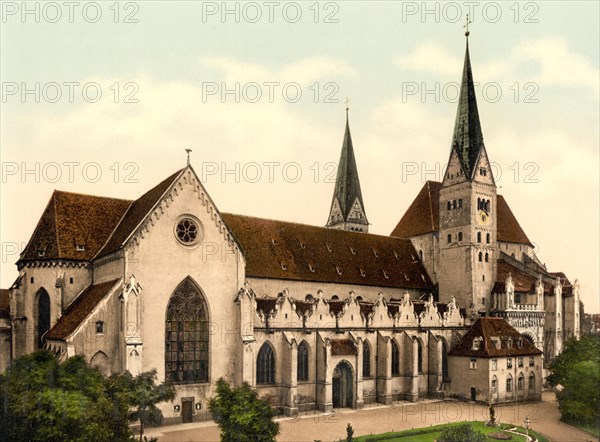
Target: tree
(139, 396)
(241, 415)
(461, 433)
(43, 400)
(577, 370)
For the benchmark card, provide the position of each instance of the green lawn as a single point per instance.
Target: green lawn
(429, 434)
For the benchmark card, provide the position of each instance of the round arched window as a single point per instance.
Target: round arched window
(188, 231)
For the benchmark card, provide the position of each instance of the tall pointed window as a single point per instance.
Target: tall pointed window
(265, 365)
(302, 362)
(487, 238)
(478, 236)
(487, 257)
(480, 257)
(419, 356)
(395, 359)
(186, 336)
(366, 359)
(531, 381)
(43, 316)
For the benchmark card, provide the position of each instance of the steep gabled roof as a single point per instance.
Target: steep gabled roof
(488, 328)
(524, 282)
(137, 211)
(79, 310)
(291, 251)
(509, 229)
(422, 216)
(72, 219)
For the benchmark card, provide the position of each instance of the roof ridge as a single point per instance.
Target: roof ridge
(55, 222)
(89, 195)
(315, 226)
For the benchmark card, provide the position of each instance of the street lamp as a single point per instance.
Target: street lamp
(527, 424)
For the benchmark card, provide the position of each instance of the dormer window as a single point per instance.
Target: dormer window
(375, 254)
(362, 272)
(338, 270)
(41, 251)
(496, 342)
(80, 247)
(310, 266)
(477, 343)
(385, 275)
(482, 171)
(328, 247)
(352, 250)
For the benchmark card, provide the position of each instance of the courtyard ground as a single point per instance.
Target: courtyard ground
(312, 426)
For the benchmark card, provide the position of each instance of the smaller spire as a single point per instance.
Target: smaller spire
(188, 155)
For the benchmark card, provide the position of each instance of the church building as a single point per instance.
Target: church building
(313, 318)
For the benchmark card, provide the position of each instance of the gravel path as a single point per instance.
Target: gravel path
(544, 418)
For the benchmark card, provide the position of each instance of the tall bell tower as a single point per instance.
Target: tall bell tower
(347, 210)
(467, 209)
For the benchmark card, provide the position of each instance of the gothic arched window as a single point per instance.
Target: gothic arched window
(531, 381)
(454, 204)
(303, 361)
(460, 202)
(366, 359)
(265, 365)
(509, 383)
(395, 359)
(43, 316)
(419, 356)
(186, 336)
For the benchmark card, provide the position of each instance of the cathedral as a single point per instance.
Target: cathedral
(453, 303)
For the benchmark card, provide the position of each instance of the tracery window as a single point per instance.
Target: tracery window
(366, 359)
(395, 359)
(186, 336)
(302, 362)
(265, 365)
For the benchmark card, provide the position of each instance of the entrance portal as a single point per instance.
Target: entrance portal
(187, 410)
(473, 394)
(342, 386)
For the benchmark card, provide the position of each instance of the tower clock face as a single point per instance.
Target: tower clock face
(483, 217)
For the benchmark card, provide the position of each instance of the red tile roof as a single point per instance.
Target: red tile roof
(79, 310)
(488, 328)
(284, 250)
(423, 214)
(136, 213)
(4, 303)
(72, 219)
(509, 229)
(524, 283)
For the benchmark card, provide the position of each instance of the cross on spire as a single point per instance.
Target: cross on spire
(347, 101)
(466, 26)
(188, 155)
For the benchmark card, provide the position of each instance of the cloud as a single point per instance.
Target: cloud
(555, 64)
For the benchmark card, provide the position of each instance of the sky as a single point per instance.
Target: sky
(104, 97)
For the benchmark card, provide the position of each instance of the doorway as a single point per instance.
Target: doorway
(473, 394)
(187, 410)
(342, 386)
